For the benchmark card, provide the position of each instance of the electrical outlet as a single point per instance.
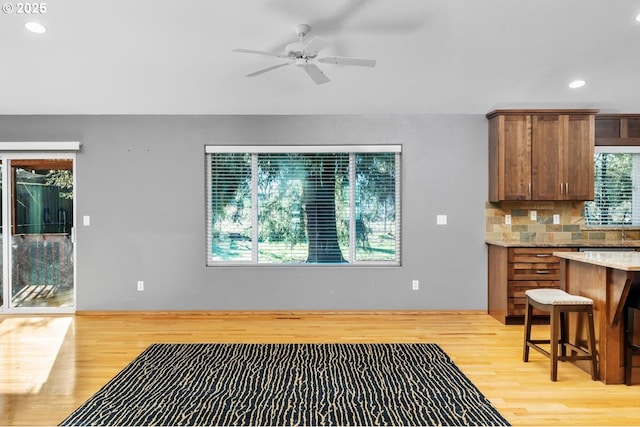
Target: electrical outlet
(533, 215)
(441, 219)
(507, 219)
(416, 285)
(556, 219)
(140, 285)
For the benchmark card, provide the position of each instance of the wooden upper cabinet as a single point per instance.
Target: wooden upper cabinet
(618, 129)
(578, 166)
(546, 157)
(541, 154)
(510, 164)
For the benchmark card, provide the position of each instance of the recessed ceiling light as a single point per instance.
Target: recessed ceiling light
(35, 27)
(577, 83)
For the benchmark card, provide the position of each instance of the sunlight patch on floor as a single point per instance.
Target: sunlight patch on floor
(28, 350)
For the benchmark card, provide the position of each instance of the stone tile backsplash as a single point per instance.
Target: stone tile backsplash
(522, 227)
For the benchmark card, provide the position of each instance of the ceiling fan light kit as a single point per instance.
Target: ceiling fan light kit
(304, 55)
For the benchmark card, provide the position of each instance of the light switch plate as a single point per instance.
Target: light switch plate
(507, 219)
(533, 215)
(86, 220)
(441, 220)
(556, 219)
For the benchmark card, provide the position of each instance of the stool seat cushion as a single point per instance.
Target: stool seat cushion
(556, 297)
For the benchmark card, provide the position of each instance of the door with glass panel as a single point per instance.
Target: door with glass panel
(37, 234)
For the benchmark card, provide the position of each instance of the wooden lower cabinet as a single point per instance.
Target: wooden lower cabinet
(514, 270)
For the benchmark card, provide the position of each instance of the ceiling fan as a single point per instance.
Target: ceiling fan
(304, 55)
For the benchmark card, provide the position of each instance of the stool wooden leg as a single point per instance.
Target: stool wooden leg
(528, 315)
(592, 345)
(553, 342)
(628, 351)
(563, 333)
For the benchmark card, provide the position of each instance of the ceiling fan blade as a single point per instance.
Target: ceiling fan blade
(314, 72)
(360, 62)
(315, 45)
(258, 52)
(264, 70)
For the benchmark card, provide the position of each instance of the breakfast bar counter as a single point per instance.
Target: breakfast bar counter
(606, 278)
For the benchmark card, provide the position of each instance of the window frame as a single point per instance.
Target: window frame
(310, 149)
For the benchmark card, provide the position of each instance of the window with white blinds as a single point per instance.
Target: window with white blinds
(319, 205)
(617, 190)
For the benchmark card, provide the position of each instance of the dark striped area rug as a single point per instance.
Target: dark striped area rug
(289, 384)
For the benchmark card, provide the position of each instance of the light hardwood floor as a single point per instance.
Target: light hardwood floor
(52, 364)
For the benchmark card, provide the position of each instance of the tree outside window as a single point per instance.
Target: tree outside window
(330, 206)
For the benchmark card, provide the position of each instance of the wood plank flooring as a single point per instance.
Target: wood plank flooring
(51, 364)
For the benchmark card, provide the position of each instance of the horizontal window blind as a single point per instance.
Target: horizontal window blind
(376, 227)
(229, 212)
(617, 195)
(304, 206)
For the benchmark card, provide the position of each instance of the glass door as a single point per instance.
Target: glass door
(38, 218)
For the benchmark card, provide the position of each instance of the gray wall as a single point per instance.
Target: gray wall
(141, 179)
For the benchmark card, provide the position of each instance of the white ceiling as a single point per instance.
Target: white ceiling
(433, 56)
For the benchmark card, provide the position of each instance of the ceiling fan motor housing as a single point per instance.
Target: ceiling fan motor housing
(297, 50)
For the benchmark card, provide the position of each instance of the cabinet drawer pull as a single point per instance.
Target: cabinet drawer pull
(543, 255)
(542, 271)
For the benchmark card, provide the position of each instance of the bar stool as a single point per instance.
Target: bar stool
(558, 303)
(632, 307)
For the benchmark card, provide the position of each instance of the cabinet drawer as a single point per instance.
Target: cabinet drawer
(518, 289)
(534, 271)
(536, 255)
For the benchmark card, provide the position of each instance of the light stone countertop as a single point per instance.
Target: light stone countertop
(626, 260)
(574, 243)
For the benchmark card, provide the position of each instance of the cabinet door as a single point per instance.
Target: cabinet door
(546, 154)
(578, 157)
(516, 141)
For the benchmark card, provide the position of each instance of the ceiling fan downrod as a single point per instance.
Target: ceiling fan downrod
(302, 30)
